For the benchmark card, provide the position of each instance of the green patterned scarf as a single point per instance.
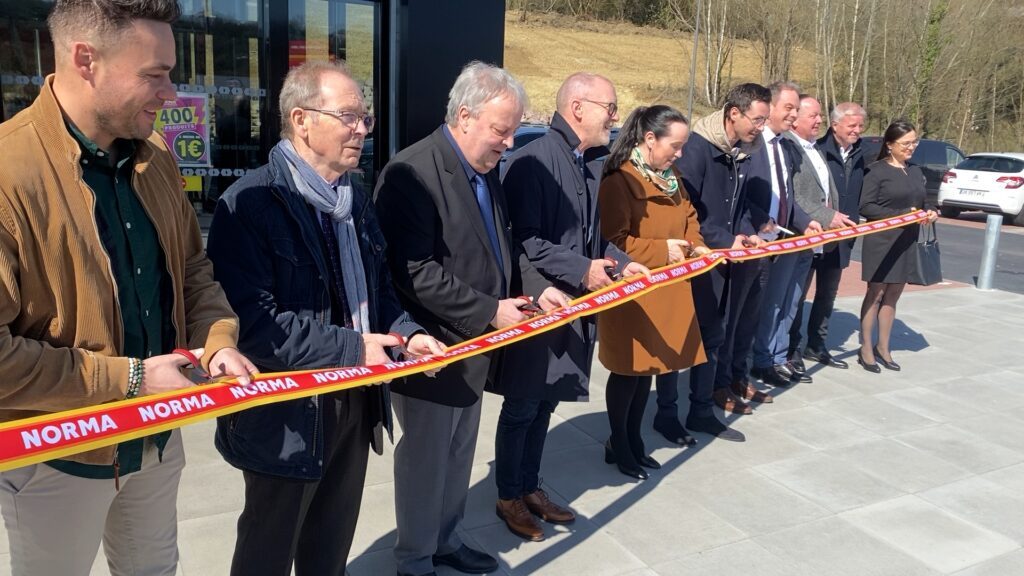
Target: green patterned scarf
(665, 180)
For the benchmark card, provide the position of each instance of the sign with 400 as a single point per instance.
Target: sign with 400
(184, 122)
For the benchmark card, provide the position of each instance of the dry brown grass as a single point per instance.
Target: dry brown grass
(646, 65)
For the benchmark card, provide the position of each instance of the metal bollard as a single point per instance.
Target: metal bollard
(988, 255)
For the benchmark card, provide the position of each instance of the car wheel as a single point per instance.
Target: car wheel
(949, 212)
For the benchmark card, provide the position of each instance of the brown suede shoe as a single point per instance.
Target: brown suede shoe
(542, 506)
(729, 402)
(745, 390)
(519, 520)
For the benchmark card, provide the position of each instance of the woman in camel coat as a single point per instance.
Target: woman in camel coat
(646, 212)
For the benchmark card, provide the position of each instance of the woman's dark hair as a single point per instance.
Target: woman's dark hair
(644, 119)
(898, 129)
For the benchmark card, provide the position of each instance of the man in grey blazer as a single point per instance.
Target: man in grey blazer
(817, 194)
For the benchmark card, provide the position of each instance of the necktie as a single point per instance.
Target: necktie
(483, 201)
(783, 193)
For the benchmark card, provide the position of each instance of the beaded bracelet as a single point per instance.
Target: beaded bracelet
(135, 374)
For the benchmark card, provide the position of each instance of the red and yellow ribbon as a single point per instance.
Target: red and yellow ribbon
(42, 438)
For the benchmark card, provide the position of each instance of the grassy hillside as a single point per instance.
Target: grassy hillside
(647, 65)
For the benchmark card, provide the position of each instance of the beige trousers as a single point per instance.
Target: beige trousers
(55, 522)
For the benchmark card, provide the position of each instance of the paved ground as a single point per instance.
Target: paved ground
(912, 473)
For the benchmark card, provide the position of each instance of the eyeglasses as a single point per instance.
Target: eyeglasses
(908, 145)
(610, 107)
(349, 119)
(758, 122)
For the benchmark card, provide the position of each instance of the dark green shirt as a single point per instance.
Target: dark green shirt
(144, 288)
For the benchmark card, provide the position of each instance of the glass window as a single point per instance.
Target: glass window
(26, 53)
(929, 152)
(340, 30)
(953, 156)
(219, 53)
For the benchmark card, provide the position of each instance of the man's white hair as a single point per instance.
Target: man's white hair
(478, 84)
(844, 109)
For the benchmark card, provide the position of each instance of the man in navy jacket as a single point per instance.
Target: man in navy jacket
(551, 185)
(312, 289)
(715, 166)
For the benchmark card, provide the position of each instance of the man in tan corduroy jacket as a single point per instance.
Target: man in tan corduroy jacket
(102, 274)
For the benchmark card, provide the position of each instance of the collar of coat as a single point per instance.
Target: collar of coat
(568, 136)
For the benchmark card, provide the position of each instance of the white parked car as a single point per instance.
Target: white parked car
(990, 182)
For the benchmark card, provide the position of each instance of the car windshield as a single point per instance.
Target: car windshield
(992, 164)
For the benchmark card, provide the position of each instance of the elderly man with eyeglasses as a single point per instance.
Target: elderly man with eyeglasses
(299, 252)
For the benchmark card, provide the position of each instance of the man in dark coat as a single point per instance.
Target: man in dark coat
(715, 165)
(299, 252)
(841, 148)
(459, 273)
(551, 185)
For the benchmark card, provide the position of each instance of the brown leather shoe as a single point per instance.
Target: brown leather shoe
(745, 390)
(519, 520)
(542, 506)
(729, 402)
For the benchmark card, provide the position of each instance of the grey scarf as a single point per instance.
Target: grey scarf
(336, 202)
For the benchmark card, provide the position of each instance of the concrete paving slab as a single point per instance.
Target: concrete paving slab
(829, 482)
(982, 502)
(664, 524)
(878, 416)
(1011, 477)
(818, 428)
(930, 403)
(753, 503)
(1006, 565)
(899, 465)
(836, 547)
(940, 540)
(744, 558)
(960, 447)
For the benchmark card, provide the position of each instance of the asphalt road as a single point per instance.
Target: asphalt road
(961, 242)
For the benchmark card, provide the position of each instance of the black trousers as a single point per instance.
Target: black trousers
(308, 523)
(746, 286)
(626, 399)
(825, 268)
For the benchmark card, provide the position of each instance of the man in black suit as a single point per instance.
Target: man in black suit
(460, 274)
(715, 166)
(841, 148)
(782, 277)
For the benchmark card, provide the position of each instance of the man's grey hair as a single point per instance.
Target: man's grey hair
(478, 84)
(576, 87)
(781, 86)
(844, 109)
(301, 89)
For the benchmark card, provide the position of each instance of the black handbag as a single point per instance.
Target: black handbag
(927, 270)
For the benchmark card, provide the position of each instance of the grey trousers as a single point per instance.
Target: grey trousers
(433, 460)
(55, 521)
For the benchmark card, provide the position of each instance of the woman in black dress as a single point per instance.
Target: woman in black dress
(891, 188)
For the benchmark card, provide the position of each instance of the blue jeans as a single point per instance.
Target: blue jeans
(519, 445)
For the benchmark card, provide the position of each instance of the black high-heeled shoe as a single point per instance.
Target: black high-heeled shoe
(873, 368)
(887, 364)
(631, 471)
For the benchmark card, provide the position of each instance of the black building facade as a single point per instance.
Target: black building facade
(233, 55)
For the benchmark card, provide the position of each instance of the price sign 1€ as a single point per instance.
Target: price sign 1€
(189, 147)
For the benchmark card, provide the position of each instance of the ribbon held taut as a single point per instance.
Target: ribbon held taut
(42, 438)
